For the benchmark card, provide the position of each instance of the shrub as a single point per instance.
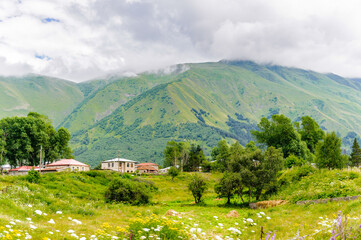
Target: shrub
(293, 160)
(197, 186)
(173, 172)
(33, 176)
(127, 191)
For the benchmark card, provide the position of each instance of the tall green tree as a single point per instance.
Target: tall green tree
(258, 170)
(196, 158)
(310, 132)
(221, 153)
(25, 136)
(355, 156)
(279, 132)
(229, 185)
(329, 152)
(171, 154)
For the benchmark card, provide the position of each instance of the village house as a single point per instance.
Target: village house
(66, 165)
(147, 167)
(23, 170)
(120, 165)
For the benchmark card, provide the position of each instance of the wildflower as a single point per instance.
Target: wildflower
(220, 224)
(82, 238)
(51, 221)
(262, 213)
(268, 218)
(249, 220)
(70, 231)
(51, 232)
(76, 221)
(59, 212)
(29, 219)
(236, 223)
(29, 205)
(143, 237)
(146, 229)
(33, 227)
(38, 212)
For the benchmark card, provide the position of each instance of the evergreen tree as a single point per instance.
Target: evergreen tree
(355, 157)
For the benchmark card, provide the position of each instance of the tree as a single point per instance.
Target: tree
(258, 170)
(279, 132)
(229, 185)
(197, 186)
(173, 172)
(196, 158)
(355, 156)
(310, 132)
(329, 152)
(24, 136)
(221, 154)
(171, 154)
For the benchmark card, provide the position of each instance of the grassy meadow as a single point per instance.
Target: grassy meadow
(72, 206)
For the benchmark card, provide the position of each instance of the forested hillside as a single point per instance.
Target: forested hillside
(211, 101)
(196, 102)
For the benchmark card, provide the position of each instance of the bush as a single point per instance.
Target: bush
(33, 176)
(293, 160)
(197, 186)
(127, 191)
(173, 172)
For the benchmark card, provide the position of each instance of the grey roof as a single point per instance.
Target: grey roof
(119, 160)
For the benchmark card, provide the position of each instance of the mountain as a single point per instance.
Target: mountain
(205, 103)
(51, 96)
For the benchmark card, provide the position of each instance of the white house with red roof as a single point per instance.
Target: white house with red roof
(23, 170)
(66, 165)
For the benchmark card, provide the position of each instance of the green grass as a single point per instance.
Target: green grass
(80, 196)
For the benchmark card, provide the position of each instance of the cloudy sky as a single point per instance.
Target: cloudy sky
(85, 39)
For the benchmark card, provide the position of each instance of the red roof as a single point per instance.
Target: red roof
(149, 168)
(147, 164)
(67, 162)
(23, 168)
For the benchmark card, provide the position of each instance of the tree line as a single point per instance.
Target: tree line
(22, 139)
(253, 169)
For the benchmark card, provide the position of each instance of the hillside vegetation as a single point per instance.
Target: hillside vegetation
(211, 101)
(202, 102)
(75, 202)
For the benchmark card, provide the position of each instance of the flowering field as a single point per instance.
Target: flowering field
(71, 206)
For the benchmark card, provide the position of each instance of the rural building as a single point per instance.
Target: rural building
(23, 170)
(147, 167)
(120, 165)
(6, 167)
(66, 165)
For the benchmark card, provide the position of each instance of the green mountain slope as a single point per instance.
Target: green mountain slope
(53, 97)
(215, 100)
(102, 98)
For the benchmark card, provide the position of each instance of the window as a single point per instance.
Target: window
(112, 164)
(108, 165)
(132, 165)
(82, 168)
(127, 164)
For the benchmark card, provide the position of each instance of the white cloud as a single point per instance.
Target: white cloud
(79, 40)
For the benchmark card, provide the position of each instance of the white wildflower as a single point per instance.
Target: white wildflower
(59, 212)
(51, 221)
(38, 212)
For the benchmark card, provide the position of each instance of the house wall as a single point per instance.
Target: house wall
(119, 166)
(70, 167)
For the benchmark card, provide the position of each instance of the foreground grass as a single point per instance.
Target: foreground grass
(80, 196)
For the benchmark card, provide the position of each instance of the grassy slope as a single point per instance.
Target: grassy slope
(101, 102)
(80, 196)
(198, 102)
(53, 97)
